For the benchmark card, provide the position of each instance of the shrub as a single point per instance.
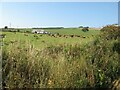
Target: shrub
(116, 47)
(110, 32)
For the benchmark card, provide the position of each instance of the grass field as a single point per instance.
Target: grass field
(75, 31)
(84, 60)
(40, 41)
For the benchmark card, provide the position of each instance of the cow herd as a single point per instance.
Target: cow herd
(65, 36)
(57, 35)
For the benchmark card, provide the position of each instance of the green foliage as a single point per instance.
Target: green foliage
(111, 32)
(116, 47)
(105, 62)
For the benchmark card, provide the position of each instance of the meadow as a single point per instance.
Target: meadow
(41, 40)
(84, 60)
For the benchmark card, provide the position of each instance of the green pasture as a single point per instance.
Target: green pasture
(40, 40)
(74, 31)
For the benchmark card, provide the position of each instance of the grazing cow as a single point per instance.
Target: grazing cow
(66, 36)
(53, 35)
(84, 37)
(75, 35)
(57, 34)
(78, 35)
(49, 34)
(71, 35)
(60, 35)
(63, 35)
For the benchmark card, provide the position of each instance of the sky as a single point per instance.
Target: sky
(60, 0)
(119, 12)
(58, 14)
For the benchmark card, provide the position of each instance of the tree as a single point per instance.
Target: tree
(80, 27)
(6, 27)
(18, 30)
(85, 29)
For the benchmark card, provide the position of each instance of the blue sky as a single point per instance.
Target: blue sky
(66, 14)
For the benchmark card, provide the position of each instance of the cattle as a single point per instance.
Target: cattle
(60, 35)
(83, 37)
(71, 35)
(78, 35)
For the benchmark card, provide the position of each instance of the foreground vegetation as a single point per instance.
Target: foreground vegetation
(95, 64)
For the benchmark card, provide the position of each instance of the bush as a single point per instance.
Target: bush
(110, 32)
